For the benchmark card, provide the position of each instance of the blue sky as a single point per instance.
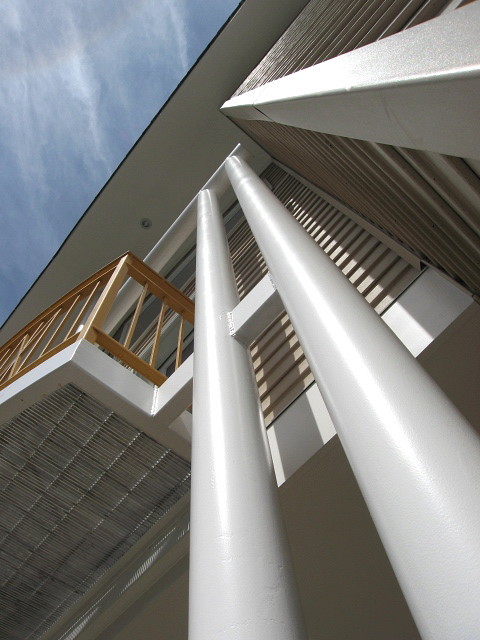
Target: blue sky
(79, 82)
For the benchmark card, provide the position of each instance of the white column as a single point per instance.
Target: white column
(171, 242)
(418, 88)
(241, 579)
(416, 459)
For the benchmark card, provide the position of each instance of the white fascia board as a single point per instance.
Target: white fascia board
(35, 384)
(110, 383)
(175, 394)
(418, 89)
(425, 309)
(123, 391)
(244, 107)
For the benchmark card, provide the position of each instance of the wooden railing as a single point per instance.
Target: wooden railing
(81, 314)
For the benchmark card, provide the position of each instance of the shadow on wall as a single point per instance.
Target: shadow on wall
(347, 586)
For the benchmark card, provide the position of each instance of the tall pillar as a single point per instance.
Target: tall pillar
(416, 459)
(241, 580)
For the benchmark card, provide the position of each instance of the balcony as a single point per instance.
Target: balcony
(82, 313)
(87, 463)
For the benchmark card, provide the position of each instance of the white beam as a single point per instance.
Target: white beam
(260, 307)
(419, 89)
(175, 394)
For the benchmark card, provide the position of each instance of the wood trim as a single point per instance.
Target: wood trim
(39, 339)
(158, 333)
(6, 355)
(175, 299)
(8, 362)
(101, 275)
(150, 273)
(62, 323)
(82, 311)
(45, 356)
(13, 367)
(112, 276)
(129, 358)
(181, 331)
(136, 315)
(107, 297)
(21, 346)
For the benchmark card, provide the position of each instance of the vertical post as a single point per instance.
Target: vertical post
(181, 332)
(136, 316)
(241, 582)
(158, 333)
(104, 304)
(416, 459)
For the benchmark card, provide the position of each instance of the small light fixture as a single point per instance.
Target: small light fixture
(145, 223)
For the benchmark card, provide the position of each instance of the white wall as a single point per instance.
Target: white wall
(425, 309)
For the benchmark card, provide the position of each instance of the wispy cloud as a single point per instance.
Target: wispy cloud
(178, 20)
(79, 82)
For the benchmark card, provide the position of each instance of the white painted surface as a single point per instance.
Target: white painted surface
(417, 317)
(256, 311)
(397, 428)
(299, 432)
(171, 242)
(424, 310)
(416, 89)
(242, 585)
(159, 185)
(115, 386)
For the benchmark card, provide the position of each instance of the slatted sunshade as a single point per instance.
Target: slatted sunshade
(426, 201)
(79, 486)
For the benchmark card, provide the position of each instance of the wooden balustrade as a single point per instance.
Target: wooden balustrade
(81, 314)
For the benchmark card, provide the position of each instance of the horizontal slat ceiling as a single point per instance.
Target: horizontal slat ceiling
(328, 28)
(376, 271)
(426, 201)
(78, 487)
(380, 183)
(103, 598)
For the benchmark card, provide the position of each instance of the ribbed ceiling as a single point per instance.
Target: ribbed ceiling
(428, 202)
(79, 486)
(328, 28)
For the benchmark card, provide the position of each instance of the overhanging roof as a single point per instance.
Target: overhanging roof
(175, 156)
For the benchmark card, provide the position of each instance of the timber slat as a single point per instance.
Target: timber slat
(129, 358)
(110, 278)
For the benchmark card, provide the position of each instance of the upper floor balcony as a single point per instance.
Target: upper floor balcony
(159, 310)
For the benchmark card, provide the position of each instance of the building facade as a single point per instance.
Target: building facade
(357, 173)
